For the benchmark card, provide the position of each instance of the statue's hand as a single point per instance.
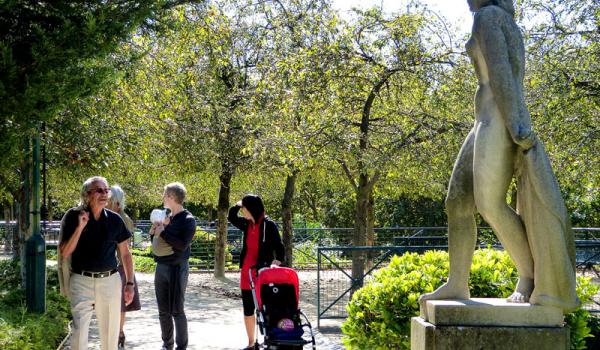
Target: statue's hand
(522, 134)
(525, 139)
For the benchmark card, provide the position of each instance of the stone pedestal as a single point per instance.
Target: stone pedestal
(487, 324)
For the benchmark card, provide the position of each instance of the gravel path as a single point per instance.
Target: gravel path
(214, 312)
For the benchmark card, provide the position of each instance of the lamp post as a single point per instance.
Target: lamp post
(35, 260)
(44, 208)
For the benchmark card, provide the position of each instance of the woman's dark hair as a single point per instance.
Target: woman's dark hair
(254, 205)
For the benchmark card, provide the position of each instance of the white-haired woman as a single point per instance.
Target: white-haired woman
(116, 203)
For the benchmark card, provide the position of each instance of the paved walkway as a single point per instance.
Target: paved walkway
(214, 316)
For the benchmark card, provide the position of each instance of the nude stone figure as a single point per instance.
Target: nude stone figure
(501, 144)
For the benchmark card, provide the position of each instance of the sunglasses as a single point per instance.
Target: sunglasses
(99, 190)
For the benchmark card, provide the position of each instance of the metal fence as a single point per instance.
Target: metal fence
(335, 282)
(329, 251)
(306, 241)
(318, 248)
(8, 230)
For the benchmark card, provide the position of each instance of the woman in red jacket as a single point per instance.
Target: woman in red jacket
(261, 247)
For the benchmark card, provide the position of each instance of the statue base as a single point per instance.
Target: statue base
(487, 324)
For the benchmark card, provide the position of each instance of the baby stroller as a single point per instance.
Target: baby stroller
(276, 295)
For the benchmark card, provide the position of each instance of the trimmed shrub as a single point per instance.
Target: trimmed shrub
(379, 313)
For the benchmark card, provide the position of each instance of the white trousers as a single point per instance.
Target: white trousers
(102, 295)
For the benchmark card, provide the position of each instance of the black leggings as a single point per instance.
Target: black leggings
(248, 302)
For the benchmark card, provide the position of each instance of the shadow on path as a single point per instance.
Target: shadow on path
(215, 318)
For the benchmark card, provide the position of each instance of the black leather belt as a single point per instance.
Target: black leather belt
(95, 274)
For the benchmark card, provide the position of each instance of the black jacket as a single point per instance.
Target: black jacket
(179, 234)
(269, 242)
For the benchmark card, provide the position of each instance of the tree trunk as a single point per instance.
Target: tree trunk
(24, 227)
(370, 229)
(222, 209)
(209, 216)
(360, 226)
(50, 213)
(370, 220)
(311, 202)
(287, 215)
(364, 188)
(8, 229)
(14, 239)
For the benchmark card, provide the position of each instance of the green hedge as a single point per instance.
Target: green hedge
(379, 313)
(21, 330)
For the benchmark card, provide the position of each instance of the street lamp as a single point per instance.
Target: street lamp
(35, 249)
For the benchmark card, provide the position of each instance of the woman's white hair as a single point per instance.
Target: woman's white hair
(117, 196)
(84, 196)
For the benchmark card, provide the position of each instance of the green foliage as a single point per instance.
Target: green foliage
(578, 328)
(9, 276)
(493, 274)
(143, 260)
(594, 324)
(270, 88)
(51, 253)
(53, 53)
(578, 321)
(409, 211)
(144, 263)
(305, 253)
(265, 89)
(203, 244)
(562, 84)
(203, 249)
(379, 313)
(22, 330)
(142, 252)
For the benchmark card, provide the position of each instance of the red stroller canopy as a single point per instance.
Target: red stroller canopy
(277, 275)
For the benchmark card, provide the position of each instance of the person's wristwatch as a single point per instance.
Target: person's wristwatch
(130, 284)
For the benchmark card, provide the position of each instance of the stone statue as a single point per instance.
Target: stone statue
(538, 235)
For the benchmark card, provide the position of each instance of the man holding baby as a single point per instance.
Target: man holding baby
(171, 241)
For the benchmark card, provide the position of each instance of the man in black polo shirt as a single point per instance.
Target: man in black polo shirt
(91, 235)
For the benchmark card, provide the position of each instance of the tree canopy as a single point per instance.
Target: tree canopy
(287, 99)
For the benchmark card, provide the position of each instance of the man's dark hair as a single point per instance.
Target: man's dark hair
(254, 205)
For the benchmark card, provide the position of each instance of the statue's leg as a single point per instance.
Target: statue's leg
(493, 159)
(462, 232)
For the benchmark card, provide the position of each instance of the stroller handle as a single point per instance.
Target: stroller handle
(258, 269)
